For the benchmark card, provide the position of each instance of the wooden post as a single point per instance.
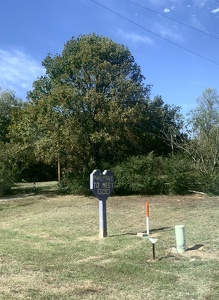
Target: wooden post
(59, 169)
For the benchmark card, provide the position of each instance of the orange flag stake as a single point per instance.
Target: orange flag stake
(147, 217)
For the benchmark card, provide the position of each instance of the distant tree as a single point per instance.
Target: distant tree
(200, 140)
(203, 146)
(162, 127)
(8, 168)
(8, 104)
(25, 137)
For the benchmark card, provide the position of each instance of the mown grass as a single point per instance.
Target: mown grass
(35, 187)
(49, 248)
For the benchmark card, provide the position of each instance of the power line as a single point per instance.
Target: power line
(142, 27)
(172, 19)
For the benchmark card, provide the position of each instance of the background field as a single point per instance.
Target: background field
(49, 248)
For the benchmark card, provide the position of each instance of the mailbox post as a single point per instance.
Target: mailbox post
(102, 184)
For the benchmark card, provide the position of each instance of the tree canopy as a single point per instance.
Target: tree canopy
(8, 104)
(203, 146)
(92, 107)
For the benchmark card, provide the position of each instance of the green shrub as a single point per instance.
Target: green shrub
(211, 183)
(180, 174)
(6, 179)
(139, 175)
(75, 184)
(8, 169)
(144, 175)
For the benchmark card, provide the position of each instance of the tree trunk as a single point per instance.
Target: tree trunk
(59, 169)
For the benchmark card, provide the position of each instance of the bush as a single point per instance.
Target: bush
(139, 175)
(180, 174)
(143, 175)
(211, 183)
(75, 184)
(7, 170)
(6, 179)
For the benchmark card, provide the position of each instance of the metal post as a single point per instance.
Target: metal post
(153, 245)
(153, 241)
(102, 219)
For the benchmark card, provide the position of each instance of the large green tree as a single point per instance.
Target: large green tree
(88, 106)
(91, 107)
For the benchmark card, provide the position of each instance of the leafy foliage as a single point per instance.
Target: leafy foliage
(162, 123)
(89, 102)
(8, 104)
(91, 108)
(8, 170)
(180, 175)
(203, 146)
(150, 174)
(139, 175)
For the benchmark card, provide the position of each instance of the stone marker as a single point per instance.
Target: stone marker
(102, 185)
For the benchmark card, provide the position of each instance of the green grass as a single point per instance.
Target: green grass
(49, 248)
(35, 188)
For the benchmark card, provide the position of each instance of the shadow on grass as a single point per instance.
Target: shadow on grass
(160, 229)
(26, 190)
(122, 234)
(195, 247)
(135, 233)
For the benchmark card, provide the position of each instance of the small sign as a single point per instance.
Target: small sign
(102, 184)
(153, 240)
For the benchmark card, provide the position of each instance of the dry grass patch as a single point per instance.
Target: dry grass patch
(49, 248)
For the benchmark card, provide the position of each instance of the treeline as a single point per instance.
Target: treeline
(93, 110)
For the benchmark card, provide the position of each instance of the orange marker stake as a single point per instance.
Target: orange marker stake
(147, 217)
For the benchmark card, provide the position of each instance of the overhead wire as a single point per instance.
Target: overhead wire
(154, 33)
(172, 19)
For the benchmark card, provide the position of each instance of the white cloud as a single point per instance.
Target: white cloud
(135, 37)
(18, 70)
(166, 10)
(214, 11)
(177, 3)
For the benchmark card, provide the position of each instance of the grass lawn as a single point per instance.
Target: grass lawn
(49, 248)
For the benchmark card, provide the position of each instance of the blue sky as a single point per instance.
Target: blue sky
(175, 42)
